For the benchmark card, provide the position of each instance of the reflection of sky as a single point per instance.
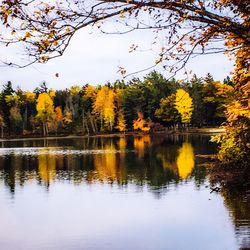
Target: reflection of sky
(107, 217)
(95, 59)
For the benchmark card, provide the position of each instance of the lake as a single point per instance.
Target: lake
(112, 193)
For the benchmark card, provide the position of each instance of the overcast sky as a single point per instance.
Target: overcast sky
(95, 58)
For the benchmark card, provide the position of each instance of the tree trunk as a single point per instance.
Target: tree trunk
(44, 129)
(87, 127)
(101, 123)
(93, 125)
(83, 122)
(25, 122)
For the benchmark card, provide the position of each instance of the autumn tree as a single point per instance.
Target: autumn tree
(119, 94)
(109, 110)
(67, 117)
(105, 107)
(57, 120)
(45, 111)
(184, 105)
(88, 98)
(98, 106)
(140, 123)
(121, 123)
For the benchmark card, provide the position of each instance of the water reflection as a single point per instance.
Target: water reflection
(239, 207)
(141, 143)
(156, 164)
(185, 160)
(46, 166)
(141, 160)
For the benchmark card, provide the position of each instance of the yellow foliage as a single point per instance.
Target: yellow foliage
(109, 109)
(90, 91)
(100, 100)
(52, 93)
(58, 114)
(104, 106)
(140, 123)
(29, 96)
(74, 90)
(44, 107)
(236, 110)
(184, 105)
(67, 119)
(15, 99)
(121, 124)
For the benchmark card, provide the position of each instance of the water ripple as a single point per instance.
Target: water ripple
(54, 151)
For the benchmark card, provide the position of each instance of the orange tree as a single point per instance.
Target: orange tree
(189, 27)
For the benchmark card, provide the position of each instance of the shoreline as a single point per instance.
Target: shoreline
(190, 131)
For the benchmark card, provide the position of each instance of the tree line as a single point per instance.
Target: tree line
(149, 104)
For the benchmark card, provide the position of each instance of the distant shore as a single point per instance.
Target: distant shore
(212, 130)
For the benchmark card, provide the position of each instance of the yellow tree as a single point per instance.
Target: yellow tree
(74, 90)
(140, 123)
(13, 99)
(88, 98)
(121, 123)
(45, 111)
(184, 105)
(109, 109)
(104, 106)
(68, 117)
(57, 119)
(98, 106)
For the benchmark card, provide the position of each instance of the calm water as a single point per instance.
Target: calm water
(115, 193)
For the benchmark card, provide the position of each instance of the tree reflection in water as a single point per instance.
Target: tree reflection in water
(185, 160)
(155, 161)
(46, 166)
(151, 162)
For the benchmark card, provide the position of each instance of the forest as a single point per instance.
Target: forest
(148, 105)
